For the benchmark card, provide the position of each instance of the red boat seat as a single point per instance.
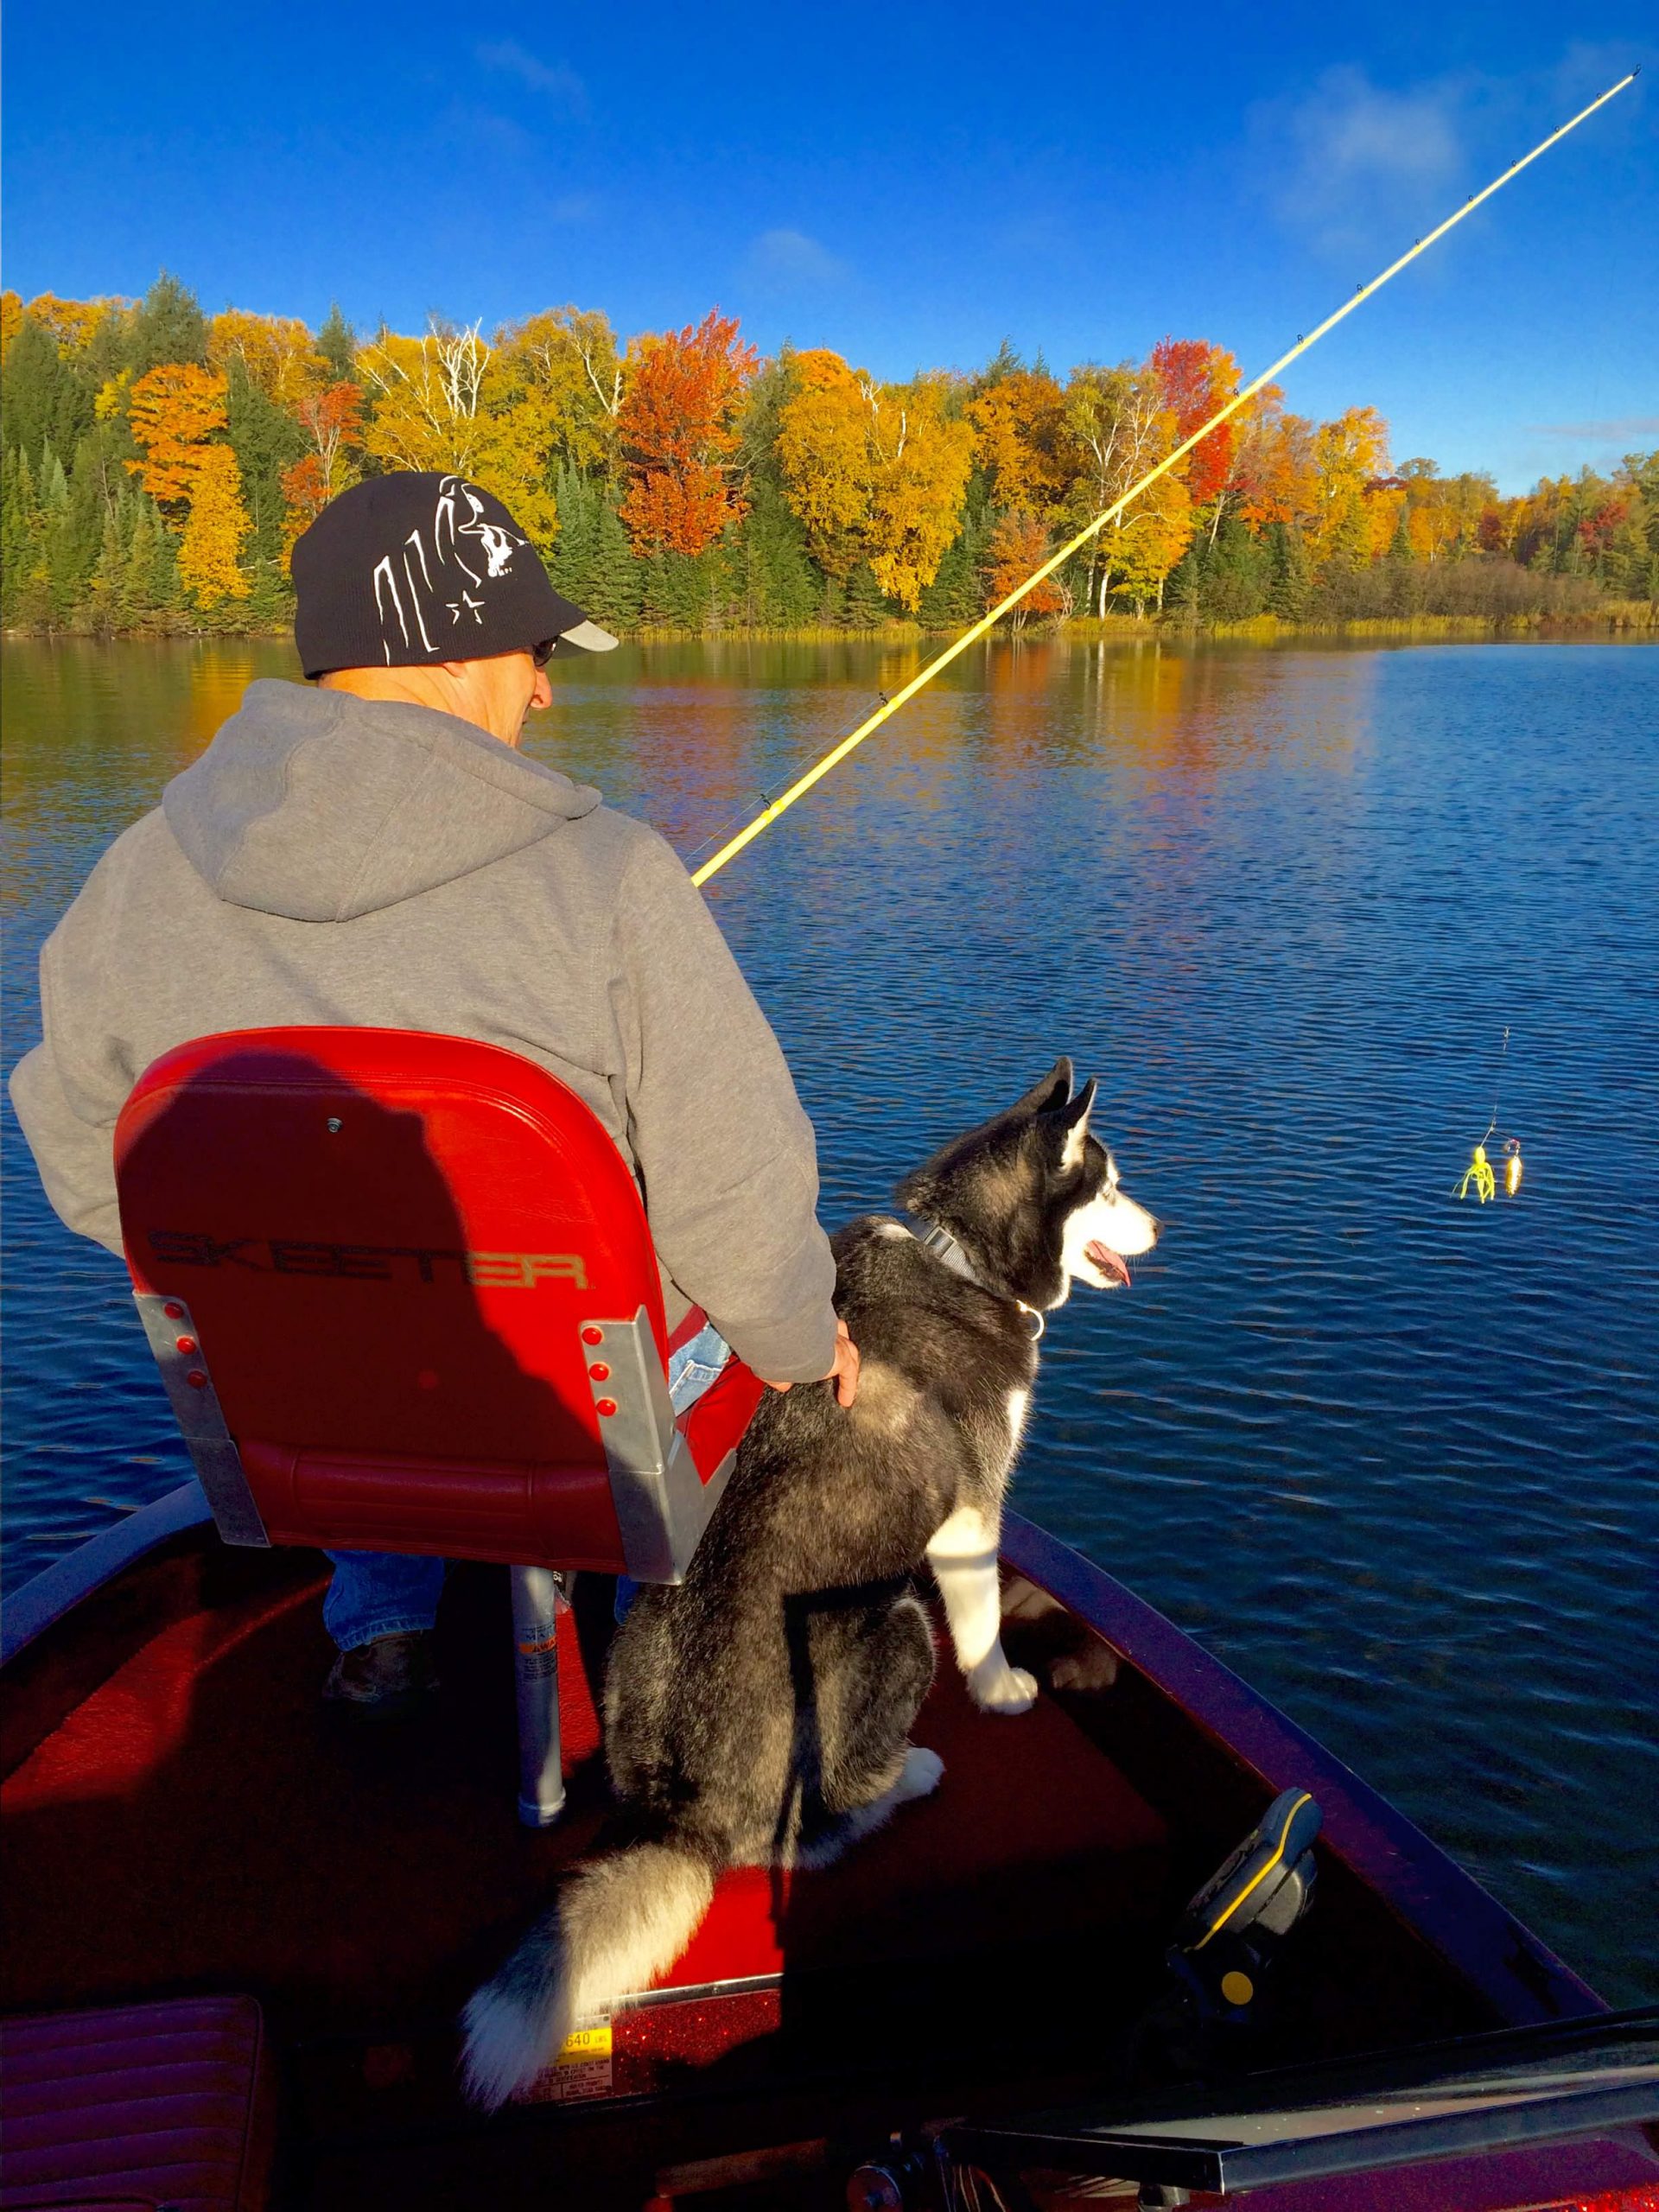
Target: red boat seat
(404, 1297)
(151, 2105)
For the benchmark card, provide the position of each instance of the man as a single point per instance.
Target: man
(378, 851)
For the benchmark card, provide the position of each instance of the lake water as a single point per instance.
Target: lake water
(1394, 1458)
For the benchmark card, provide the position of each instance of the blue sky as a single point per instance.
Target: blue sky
(908, 184)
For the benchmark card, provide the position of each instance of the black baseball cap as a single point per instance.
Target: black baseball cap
(419, 567)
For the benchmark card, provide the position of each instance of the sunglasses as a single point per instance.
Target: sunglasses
(542, 654)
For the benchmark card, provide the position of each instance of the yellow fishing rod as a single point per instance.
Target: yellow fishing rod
(888, 707)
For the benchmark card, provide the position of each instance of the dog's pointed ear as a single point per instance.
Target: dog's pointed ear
(1053, 1091)
(1072, 1122)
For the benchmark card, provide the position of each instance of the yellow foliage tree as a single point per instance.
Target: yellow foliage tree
(278, 353)
(1020, 425)
(877, 471)
(447, 401)
(215, 530)
(1118, 425)
(1147, 540)
(11, 315)
(824, 456)
(569, 360)
(916, 499)
(173, 411)
(72, 322)
(1348, 453)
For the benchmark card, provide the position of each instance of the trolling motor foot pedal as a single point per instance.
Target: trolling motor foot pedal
(1227, 1942)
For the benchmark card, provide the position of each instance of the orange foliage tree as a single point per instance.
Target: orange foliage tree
(1019, 545)
(1274, 478)
(173, 409)
(677, 431)
(1196, 377)
(333, 421)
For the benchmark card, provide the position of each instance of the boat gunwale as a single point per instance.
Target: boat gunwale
(1423, 1885)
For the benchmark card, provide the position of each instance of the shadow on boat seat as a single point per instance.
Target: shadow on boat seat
(403, 1298)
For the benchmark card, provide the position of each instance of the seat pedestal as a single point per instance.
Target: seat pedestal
(537, 1599)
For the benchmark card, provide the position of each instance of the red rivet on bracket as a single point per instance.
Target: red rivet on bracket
(173, 1310)
(185, 1344)
(605, 1408)
(600, 1372)
(196, 1379)
(592, 1336)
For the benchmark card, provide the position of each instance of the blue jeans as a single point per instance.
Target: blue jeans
(384, 1593)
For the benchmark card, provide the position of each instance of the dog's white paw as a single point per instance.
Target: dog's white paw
(924, 1771)
(995, 1687)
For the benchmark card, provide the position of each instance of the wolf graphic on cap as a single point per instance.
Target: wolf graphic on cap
(412, 584)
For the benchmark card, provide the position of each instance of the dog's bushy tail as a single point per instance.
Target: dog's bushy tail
(616, 1925)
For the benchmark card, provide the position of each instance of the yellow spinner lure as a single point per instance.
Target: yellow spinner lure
(1480, 1176)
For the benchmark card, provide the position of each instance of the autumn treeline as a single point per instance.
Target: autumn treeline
(158, 464)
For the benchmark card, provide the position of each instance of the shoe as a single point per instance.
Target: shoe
(392, 1674)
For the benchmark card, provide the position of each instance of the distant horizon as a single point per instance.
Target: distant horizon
(908, 193)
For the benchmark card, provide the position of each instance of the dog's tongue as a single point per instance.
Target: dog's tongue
(1109, 1262)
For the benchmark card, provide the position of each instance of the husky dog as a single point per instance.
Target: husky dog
(758, 1712)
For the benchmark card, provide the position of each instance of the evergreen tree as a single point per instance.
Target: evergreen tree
(775, 585)
(1405, 583)
(615, 592)
(145, 587)
(18, 521)
(337, 343)
(266, 441)
(1237, 573)
(39, 404)
(576, 547)
(1184, 591)
(1290, 580)
(865, 606)
(107, 592)
(73, 535)
(33, 602)
(167, 325)
(957, 595)
(676, 589)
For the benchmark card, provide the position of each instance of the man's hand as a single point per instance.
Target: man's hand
(843, 1374)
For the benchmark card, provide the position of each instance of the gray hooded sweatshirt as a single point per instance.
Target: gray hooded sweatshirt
(336, 860)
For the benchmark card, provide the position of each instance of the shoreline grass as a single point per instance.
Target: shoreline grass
(1614, 618)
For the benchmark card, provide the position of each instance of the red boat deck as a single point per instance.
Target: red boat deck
(182, 1816)
(253, 1838)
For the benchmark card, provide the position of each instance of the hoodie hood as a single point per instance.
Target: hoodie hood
(320, 807)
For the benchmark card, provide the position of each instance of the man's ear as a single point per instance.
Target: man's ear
(1072, 1124)
(1053, 1090)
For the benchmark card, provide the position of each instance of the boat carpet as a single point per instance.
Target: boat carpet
(202, 1821)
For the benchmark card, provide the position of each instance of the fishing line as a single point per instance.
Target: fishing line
(889, 707)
